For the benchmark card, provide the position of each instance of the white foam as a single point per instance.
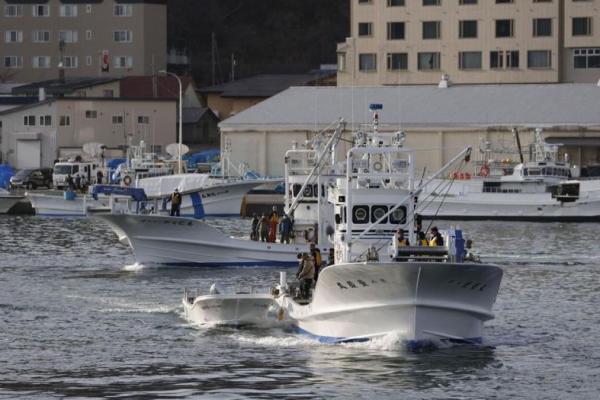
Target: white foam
(134, 267)
(392, 341)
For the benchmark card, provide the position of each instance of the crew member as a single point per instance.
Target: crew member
(316, 255)
(99, 177)
(421, 239)
(175, 203)
(436, 238)
(402, 241)
(285, 229)
(306, 275)
(273, 222)
(254, 232)
(263, 228)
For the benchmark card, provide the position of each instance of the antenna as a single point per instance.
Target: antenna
(173, 149)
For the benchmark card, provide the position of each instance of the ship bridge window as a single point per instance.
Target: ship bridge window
(398, 216)
(360, 214)
(533, 172)
(377, 212)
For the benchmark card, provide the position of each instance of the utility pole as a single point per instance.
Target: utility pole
(213, 57)
(233, 64)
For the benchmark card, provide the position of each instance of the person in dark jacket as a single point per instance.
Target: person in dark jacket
(175, 203)
(285, 229)
(436, 238)
(254, 231)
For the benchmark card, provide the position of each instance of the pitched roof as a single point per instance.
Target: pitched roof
(427, 106)
(264, 85)
(57, 86)
(192, 115)
(143, 86)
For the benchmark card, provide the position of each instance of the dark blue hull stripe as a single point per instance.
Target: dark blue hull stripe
(231, 264)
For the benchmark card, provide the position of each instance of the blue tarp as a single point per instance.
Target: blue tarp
(6, 172)
(136, 193)
(206, 156)
(115, 162)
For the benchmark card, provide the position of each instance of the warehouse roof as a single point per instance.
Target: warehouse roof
(313, 108)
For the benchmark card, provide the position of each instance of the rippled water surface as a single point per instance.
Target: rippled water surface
(78, 318)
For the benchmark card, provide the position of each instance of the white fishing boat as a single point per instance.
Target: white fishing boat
(8, 200)
(218, 308)
(540, 190)
(187, 241)
(67, 204)
(376, 286)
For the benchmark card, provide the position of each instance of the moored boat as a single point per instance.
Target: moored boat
(8, 200)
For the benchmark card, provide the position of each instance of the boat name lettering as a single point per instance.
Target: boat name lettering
(169, 222)
(358, 284)
(213, 194)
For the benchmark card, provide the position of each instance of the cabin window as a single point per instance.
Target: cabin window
(296, 189)
(360, 214)
(398, 216)
(377, 212)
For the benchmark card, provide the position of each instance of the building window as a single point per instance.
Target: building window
(88, 35)
(539, 59)
(88, 61)
(88, 8)
(13, 62)
(29, 120)
(123, 10)
(395, 30)
(117, 119)
(122, 36)
(586, 58)
(41, 36)
(41, 62)
(108, 93)
(143, 119)
(397, 61)
(365, 29)
(45, 120)
(13, 10)
(341, 65)
(68, 36)
(429, 61)
(64, 120)
(68, 10)
(469, 60)
(91, 114)
(582, 26)
(431, 2)
(13, 36)
(70, 62)
(41, 10)
(431, 29)
(367, 62)
(123, 62)
(503, 1)
(365, 1)
(467, 2)
(467, 29)
(395, 3)
(504, 59)
(504, 28)
(542, 27)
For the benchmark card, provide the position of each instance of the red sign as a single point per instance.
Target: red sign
(105, 61)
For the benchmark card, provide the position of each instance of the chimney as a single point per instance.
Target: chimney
(41, 94)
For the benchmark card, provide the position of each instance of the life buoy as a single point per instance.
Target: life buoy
(485, 170)
(377, 166)
(127, 180)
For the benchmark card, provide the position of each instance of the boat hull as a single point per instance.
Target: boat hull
(240, 309)
(466, 201)
(7, 202)
(190, 242)
(423, 302)
(55, 205)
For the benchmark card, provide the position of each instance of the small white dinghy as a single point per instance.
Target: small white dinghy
(227, 309)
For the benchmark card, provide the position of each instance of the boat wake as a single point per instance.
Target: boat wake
(134, 267)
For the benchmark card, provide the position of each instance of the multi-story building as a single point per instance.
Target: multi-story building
(92, 38)
(396, 42)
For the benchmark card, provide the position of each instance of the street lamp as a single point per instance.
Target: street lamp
(180, 114)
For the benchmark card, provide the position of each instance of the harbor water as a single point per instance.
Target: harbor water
(78, 318)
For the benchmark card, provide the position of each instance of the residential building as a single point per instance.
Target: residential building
(438, 122)
(230, 98)
(398, 42)
(99, 38)
(34, 135)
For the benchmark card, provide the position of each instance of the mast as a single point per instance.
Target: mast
(516, 133)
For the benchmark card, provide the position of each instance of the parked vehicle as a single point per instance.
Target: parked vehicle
(32, 178)
(86, 170)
